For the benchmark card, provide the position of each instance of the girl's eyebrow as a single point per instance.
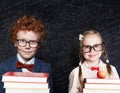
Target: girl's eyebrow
(92, 45)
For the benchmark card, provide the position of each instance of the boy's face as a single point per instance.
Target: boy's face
(28, 50)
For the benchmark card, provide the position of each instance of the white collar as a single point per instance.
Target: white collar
(31, 61)
(99, 65)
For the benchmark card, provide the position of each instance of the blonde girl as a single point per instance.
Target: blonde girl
(92, 47)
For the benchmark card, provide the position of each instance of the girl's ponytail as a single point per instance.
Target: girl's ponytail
(109, 70)
(80, 75)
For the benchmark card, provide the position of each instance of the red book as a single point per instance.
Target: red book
(25, 77)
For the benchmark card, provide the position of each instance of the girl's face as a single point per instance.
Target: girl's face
(92, 48)
(27, 44)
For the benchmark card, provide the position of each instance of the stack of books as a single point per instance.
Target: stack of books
(26, 82)
(101, 86)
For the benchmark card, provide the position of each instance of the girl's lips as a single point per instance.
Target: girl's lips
(92, 55)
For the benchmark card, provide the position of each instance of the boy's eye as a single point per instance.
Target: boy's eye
(33, 42)
(22, 40)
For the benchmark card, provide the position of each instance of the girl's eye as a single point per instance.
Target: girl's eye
(96, 45)
(87, 46)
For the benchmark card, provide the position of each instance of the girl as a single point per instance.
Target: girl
(91, 49)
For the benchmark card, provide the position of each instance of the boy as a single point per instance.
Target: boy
(26, 33)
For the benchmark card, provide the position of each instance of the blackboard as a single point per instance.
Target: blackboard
(64, 20)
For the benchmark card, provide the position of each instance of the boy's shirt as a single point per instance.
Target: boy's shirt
(31, 61)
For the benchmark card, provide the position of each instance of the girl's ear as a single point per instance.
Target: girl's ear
(103, 53)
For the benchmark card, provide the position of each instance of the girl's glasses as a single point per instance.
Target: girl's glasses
(88, 48)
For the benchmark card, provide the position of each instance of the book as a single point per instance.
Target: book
(89, 80)
(101, 91)
(25, 77)
(26, 85)
(20, 90)
(101, 86)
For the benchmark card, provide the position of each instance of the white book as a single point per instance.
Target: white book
(101, 86)
(89, 80)
(18, 90)
(26, 85)
(101, 91)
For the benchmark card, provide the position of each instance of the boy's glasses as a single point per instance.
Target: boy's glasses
(88, 48)
(23, 43)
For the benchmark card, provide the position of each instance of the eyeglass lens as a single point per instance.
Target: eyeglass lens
(88, 48)
(32, 43)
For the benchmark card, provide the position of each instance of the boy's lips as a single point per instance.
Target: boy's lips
(27, 52)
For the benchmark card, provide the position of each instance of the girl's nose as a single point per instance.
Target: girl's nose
(92, 50)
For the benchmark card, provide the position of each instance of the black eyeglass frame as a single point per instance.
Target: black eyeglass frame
(93, 47)
(29, 42)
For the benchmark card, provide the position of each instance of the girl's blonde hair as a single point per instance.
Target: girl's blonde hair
(82, 59)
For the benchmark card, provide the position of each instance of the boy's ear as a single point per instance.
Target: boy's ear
(38, 46)
(15, 44)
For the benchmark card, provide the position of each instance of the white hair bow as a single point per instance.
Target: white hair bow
(81, 37)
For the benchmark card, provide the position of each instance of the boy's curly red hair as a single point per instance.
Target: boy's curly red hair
(27, 23)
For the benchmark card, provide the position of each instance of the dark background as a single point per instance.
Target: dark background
(64, 20)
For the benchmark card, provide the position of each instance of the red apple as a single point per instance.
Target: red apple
(101, 74)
